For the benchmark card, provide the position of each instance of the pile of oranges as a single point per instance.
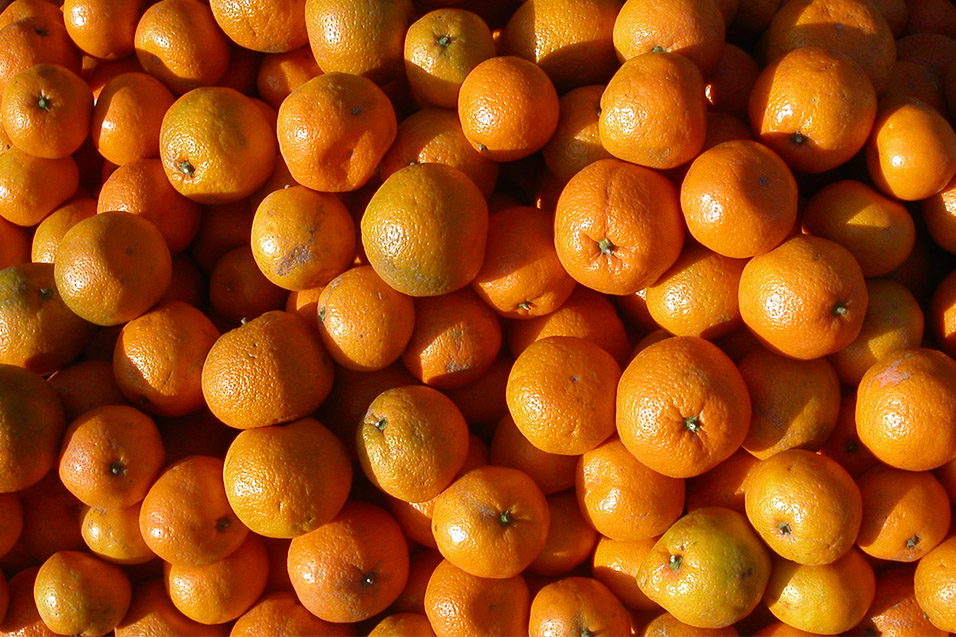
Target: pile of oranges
(434, 317)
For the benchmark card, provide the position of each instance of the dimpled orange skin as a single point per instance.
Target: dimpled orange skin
(935, 585)
(508, 108)
(805, 506)
(560, 393)
(653, 111)
(814, 107)
(906, 409)
(275, 27)
(806, 298)
(682, 406)
(618, 227)
(911, 152)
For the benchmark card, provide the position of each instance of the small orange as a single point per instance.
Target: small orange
(46, 111)
(112, 267)
(35, 40)
(723, 485)
(492, 522)
(351, 568)
(113, 535)
(617, 226)
(151, 612)
(105, 29)
(617, 564)
(624, 499)
(934, 583)
(457, 603)
(905, 409)
(576, 141)
(128, 116)
(303, 303)
(78, 594)
(844, 444)
(422, 564)
(270, 370)
(935, 51)
(84, 385)
(441, 49)
(216, 145)
(21, 613)
(221, 229)
(550, 471)
(939, 214)
(911, 152)
(301, 238)
(653, 111)
(560, 394)
(930, 16)
(508, 108)
(50, 231)
(795, 402)
(186, 519)
(805, 506)
(895, 609)
(365, 324)
(577, 606)
(682, 407)
(16, 244)
(895, 12)
(728, 86)
(334, 129)
(239, 291)
(425, 230)
(41, 10)
(915, 80)
(281, 613)
(33, 187)
(570, 538)
(269, 28)
(412, 442)
(806, 298)
(281, 73)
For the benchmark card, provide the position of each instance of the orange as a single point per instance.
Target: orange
(805, 506)
(844, 444)
(826, 599)
(624, 499)
(51, 521)
(152, 612)
(665, 625)
(434, 135)
(362, 38)
(37, 330)
(617, 226)
(16, 244)
(911, 152)
(33, 187)
(221, 229)
(904, 409)
(739, 199)
(586, 314)
(112, 267)
(915, 80)
(943, 315)
(35, 40)
(41, 10)
(653, 111)
(795, 402)
(281, 613)
(934, 582)
(935, 51)
(457, 603)
(334, 129)
(365, 324)
(46, 111)
(216, 145)
(728, 87)
(576, 141)
(441, 49)
(113, 535)
(78, 594)
(905, 514)
(896, 13)
(105, 29)
(186, 519)
(140, 187)
(302, 303)
(412, 442)
(127, 117)
(403, 624)
(521, 276)
(456, 338)
(577, 606)
(491, 522)
(806, 298)
(894, 608)
(697, 296)
(49, 232)
(98, 73)
(12, 525)
(239, 291)
(84, 385)
(22, 616)
(550, 471)
(111, 456)
(854, 28)
(931, 16)
(31, 427)
(270, 370)
(422, 563)
(560, 394)
(813, 106)
(179, 43)
(302, 239)
(682, 407)
(281, 73)
(723, 485)
(271, 28)
(616, 565)
(425, 230)
(198, 433)
(939, 214)
(351, 568)
(570, 538)
(893, 322)
(571, 41)
(508, 108)
(691, 28)
(878, 231)
(708, 570)
(187, 285)
(159, 357)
